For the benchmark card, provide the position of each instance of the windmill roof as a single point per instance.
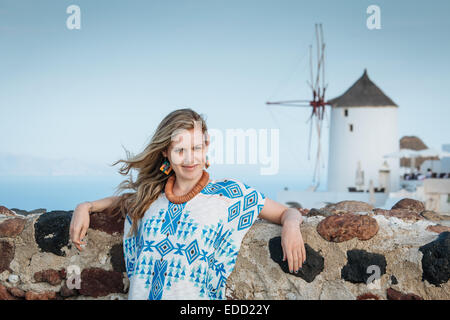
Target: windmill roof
(362, 93)
(412, 142)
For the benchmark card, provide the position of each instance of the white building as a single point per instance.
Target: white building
(363, 128)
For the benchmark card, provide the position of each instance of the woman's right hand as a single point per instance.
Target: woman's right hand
(79, 224)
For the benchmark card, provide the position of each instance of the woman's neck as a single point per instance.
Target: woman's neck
(184, 186)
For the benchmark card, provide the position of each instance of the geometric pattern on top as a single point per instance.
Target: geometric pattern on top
(188, 250)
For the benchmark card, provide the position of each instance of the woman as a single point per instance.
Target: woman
(183, 231)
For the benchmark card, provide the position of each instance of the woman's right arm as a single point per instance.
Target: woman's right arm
(80, 218)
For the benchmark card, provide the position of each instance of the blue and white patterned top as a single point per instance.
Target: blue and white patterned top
(188, 250)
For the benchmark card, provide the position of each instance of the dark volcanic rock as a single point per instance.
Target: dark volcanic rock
(6, 255)
(19, 211)
(357, 268)
(96, 282)
(343, 227)
(312, 266)
(117, 258)
(52, 231)
(39, 211)
(436, 260)
(410, 204)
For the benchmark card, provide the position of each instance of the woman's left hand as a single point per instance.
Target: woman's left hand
(291, 237)
(292, 242)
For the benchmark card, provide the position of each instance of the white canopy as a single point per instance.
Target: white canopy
(432, 153)
(403, 153)
(409, 153)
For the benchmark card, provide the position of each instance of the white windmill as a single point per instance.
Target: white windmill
(363, 128)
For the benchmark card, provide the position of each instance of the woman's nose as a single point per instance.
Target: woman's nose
(188, 157)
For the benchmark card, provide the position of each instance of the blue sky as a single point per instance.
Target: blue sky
(83, 93)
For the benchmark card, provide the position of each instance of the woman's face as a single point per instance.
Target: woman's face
(187, 153)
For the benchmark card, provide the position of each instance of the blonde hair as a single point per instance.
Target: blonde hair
(151, 180)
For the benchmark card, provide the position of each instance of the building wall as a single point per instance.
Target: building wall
(375, 133)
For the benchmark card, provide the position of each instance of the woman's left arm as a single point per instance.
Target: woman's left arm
(291, 237)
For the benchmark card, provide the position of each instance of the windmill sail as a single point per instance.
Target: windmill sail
(318, 88)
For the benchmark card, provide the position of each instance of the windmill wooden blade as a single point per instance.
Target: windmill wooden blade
(318, 103)
(320, 59)
(323, 59)
(292, 103)
(287, 101)
(311, 68)
(316, 87)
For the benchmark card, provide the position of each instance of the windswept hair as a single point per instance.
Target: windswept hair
(151, 180)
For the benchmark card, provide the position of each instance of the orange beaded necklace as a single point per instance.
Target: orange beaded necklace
(168, 189)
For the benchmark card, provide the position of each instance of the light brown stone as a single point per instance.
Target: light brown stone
(5, 211)
(7, 252)
(438, 228)
(349, 206)
(410, 205)
(12, 227)
(16, 292)
(45, 295)
(433, 216)
(5, 295)
(338, 228)
(403, 214)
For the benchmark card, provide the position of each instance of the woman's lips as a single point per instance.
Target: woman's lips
(190, 167)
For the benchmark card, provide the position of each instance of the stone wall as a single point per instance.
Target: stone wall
(38, 262)
(347, 244)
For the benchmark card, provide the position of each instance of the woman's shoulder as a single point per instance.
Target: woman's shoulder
(236, 187)
(229, 181)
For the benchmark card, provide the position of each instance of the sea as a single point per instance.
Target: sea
(65, 192)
